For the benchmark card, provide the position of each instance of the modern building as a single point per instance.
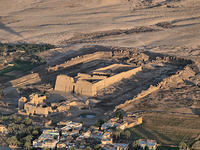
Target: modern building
(151, 144)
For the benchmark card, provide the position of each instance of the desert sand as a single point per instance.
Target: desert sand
(56, 22)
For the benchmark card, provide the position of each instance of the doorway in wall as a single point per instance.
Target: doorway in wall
(73, 90)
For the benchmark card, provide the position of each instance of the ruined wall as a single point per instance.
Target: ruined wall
(88, 76)
(21, 102)
(63, 108)
(84, 88)
(32, 109)
(177, 60)
(28, 79)
(36, 99)
(171, 81)
(64, 83)
(116, 78)
(43, 111)
(81, 59)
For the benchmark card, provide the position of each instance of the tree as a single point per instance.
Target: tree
(146, 148)
(117, 133)
(28, 121)
(28, 138)
(13, 141)
(127, 134)
(1, 93)
(88, 148)
(35, 132)
(138, 147)
(100, 122)
(12, 128)
(27, 145)
(134, 144)
(119, 114)
(183, 146)
(98, 147)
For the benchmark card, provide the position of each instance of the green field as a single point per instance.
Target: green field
(18, 65)
(29, 52)
(168, 129)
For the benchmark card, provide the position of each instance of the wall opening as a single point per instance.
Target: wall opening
(73, 90)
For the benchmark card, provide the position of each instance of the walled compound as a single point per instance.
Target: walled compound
(90, 84)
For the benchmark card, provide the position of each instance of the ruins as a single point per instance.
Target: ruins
(90, 84)
(38, 105)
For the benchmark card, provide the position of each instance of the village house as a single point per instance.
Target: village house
(48, 139)
(109, 125)
(72, 126)
(85, 134)
(63, 123)
(107, 138)
(107, 141)
(61, 145)
(127, 122)
(151, 144)
(97, 135)
(3, 129)
(116, 146)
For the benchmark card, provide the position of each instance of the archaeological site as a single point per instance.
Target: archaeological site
(100, 74)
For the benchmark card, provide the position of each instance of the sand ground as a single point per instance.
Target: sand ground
(55, 22)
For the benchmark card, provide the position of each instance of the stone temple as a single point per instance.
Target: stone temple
(89, 84)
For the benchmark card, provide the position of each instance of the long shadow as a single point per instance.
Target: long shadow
(186, 25)
(8, 29)
(133, 88)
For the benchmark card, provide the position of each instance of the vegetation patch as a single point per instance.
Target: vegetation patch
(18, 65)
(21, 131)
(21, 57)
(168, 129)
(25, 47)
